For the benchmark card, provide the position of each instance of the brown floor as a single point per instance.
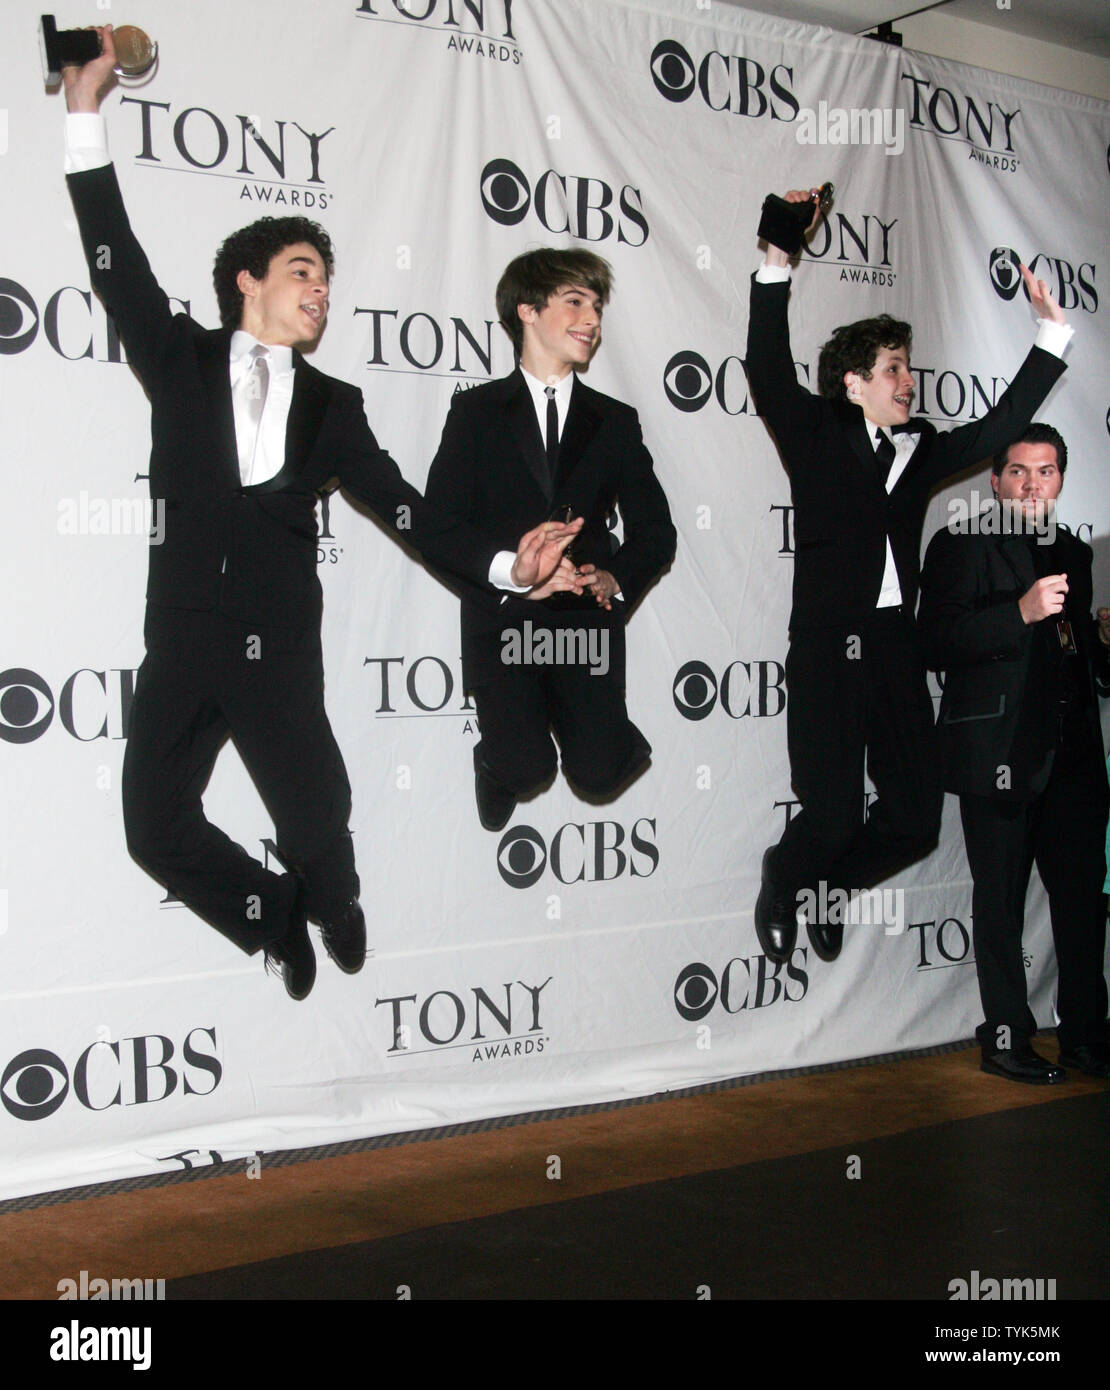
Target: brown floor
(216, 1223)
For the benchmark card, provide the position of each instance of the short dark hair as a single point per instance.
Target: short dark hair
(1036, 433)
(253, 248)
(853, 348)
(534, 277)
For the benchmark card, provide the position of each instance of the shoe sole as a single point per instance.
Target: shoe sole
(1022, 1080)
(347, 969)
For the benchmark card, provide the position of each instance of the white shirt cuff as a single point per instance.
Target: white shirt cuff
(86, 141)
(772, 274)
(501, 573)
(1053, 337)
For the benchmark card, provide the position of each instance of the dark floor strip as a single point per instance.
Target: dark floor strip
(1021, 1194)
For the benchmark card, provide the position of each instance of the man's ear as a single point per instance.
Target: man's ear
(994, 483)
(851, 385)
(526, 313)
(246, 284)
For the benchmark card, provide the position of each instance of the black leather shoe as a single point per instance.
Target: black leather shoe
(1094, 1061)
(495, 803)
(776, 919)
(827, 937)
(293, 955)
(345, 938)
(1022, 1065)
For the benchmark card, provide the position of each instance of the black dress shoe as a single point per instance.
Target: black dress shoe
(776, 919)
(827, 937)
(495, 803)
(1093, 1060)
(293, 956)
(345, 938)
(1022, 1064)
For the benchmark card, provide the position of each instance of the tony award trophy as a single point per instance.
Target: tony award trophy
(784, 224)
(136, 52)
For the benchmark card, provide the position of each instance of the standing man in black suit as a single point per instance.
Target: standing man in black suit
(541, 443)
(1006, 614)
(245, 437)
(854, 673)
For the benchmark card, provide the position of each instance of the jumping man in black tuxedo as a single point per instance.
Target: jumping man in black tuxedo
(245, 437)
(1006, 614)
(541, 443)
(854, 673)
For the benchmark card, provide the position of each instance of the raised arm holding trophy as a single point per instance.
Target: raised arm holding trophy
(861, 474)
(246, 436)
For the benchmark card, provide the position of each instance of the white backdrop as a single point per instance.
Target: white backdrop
(586, 954)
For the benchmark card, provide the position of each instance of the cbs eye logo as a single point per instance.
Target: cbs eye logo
(695, 991)
(34, 1084)
(695, 690)
(19, 317)
(687, 381)
(26, 705)
(1004, 271)
(505, 192)
(521, 856)
(672, 70)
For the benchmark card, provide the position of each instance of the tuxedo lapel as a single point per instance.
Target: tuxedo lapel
(859, 437)
(521, 417)
(213, 360)
(583, 420)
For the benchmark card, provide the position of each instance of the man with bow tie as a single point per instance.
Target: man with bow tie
(246, 436)
(861, 473)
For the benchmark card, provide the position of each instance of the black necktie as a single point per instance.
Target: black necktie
(552, 431)
(884, 453)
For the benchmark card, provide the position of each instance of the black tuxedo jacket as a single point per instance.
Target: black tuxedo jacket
(249, 552)
(491, 471)
(994, 692)
(842, 511)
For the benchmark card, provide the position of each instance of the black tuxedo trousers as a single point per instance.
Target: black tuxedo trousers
(856, 695)
(207, 677)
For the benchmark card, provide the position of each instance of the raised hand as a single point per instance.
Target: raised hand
(775, 254)
(84, 86)
(1040, 296)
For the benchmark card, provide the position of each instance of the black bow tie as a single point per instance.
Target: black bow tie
(908, 428)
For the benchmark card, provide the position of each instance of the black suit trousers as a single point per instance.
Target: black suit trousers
(207, 677)
(600, 745)
(856, 696)
(1064, 831)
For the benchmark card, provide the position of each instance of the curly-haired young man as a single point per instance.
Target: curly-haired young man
(861, 473)
(246, 435)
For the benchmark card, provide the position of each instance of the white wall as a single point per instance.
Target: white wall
(1002, 51)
